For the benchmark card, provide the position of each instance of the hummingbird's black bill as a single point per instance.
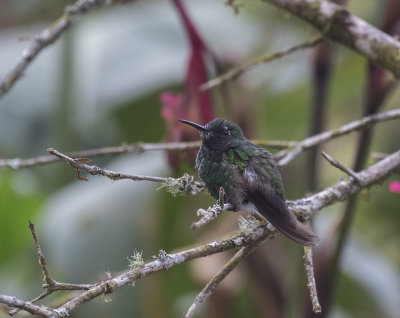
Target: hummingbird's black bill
(197, 126)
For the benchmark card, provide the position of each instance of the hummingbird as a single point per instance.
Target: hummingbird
(249, 176)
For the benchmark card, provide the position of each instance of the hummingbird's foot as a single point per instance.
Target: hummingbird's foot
(259, 218)
(262, 221)
(230, 207)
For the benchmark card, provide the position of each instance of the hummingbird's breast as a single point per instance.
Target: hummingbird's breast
(215, 172)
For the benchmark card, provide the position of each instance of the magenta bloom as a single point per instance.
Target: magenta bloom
(394, 186)
(193, 104)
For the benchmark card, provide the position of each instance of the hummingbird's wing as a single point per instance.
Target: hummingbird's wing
(265, 191)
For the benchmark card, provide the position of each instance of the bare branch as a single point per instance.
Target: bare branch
(45, 38)
(285, 156)
(274, 144)
(213, 283)
(188, 185)
(27, 306)
(307, 207)
(308, 264)
(140, 147)
(51, 285)
(340, 166)
(233, 73)
(338, 24)
(362, 123)
(42, 260)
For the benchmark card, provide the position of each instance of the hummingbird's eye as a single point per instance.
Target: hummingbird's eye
(227, 131)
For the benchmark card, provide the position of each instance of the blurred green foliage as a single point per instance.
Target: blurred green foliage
(16, 209)
(133, 116)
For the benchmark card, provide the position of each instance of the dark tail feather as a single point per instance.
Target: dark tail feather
(274, 209)
(302, 234)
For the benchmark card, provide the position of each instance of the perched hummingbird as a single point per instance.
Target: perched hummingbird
(249, 176)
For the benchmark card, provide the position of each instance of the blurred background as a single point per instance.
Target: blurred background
(124, 74)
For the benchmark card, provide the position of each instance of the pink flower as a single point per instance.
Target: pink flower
(394, 186)
(193, 104)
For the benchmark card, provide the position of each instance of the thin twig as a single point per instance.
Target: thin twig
(78, 163)
(308, 206)
(260, 60)
(42, 260)
(308, 263)
(45, 38)
(362, 123)
(15, 302)
(139, 147)
(46, 274)
(340, 166)
(51, 285)
(213, 283)
(379, 155)
(285, 156)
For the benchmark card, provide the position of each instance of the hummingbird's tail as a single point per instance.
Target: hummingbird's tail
(302, 234)
(275, 210)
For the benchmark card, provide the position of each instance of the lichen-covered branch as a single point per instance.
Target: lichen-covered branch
(338, 24)
(185, 184)
(304, 208)
(212, 212)
(164, 261)
(46, 37)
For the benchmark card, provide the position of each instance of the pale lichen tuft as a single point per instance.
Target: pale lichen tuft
(63, 312)
(181, 186)
(136, 261)
(107, 298)
(248, 224)
(212, 211)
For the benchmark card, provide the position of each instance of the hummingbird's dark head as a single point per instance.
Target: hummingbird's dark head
(220, 133)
